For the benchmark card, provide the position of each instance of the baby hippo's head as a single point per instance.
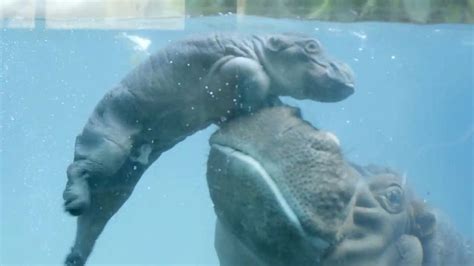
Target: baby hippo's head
(299, 68)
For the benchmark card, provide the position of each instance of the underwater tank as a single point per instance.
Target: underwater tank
(410, 116)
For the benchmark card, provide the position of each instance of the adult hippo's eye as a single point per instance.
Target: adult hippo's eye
(312, 47)
(392, 199)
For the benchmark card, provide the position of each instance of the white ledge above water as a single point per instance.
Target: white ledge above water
(94, 14)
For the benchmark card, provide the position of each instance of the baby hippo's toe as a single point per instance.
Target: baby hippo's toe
(74, 259)
(76, 197)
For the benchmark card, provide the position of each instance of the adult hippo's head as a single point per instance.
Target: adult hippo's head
(298, 67)
(284, 195)
(280, 186)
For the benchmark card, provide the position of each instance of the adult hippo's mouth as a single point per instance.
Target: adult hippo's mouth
(280, 186)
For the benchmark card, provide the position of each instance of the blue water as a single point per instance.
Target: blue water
(413, 110)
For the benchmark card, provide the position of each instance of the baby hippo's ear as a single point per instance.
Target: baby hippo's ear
(278, 43)
(423, 220)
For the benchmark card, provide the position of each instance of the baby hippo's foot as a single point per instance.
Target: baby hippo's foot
(76, 197)
(74, 259)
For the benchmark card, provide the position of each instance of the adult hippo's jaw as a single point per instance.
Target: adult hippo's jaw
(280, 186)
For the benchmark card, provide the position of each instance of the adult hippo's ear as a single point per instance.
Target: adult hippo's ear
(278, 43)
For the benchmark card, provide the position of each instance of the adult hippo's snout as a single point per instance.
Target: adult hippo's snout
(279, 186)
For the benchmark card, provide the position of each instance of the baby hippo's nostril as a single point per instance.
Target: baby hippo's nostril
(343, 72)
(348, 72)
(335, 67)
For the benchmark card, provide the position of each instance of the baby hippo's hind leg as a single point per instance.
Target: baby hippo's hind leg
(103, 159)
(106, 199)
(76, 195)
(103, 146)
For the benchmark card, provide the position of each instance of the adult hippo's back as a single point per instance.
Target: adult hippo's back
(182, 89)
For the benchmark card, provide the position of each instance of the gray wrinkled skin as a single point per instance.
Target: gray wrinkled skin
(178, 91)
(284, 195)
(296, 221)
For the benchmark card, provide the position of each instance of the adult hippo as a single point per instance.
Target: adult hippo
(284, 195)
(184, 88)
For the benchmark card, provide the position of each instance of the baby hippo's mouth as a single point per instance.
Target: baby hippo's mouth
(279, 184)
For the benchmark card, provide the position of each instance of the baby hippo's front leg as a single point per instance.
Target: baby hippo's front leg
(237, 83)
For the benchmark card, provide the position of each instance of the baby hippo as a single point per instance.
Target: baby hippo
(182, 89)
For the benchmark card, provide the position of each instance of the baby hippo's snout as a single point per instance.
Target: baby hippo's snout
(340, 81)
(344, 73)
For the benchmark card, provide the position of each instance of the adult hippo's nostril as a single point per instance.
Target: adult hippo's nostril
(364, 198)
(366, 212)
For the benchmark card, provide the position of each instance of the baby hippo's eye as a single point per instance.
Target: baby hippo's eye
(312, 47)
(392, 199)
